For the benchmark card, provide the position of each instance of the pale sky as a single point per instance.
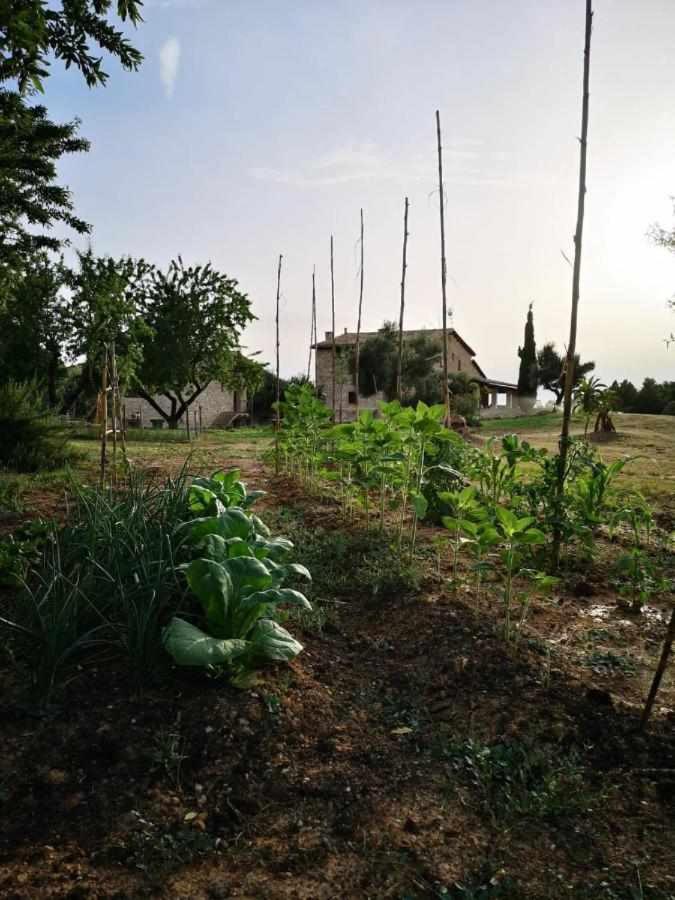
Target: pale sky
(258, 128)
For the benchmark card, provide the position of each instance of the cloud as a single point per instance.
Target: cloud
(169, 58)
(465, 163)
(353, 162)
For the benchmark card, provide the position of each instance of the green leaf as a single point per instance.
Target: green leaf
(532, 536)
(248, 574)
(230, 523)
(211, 583)
(270, 641)
(420, 505)
(190, 646)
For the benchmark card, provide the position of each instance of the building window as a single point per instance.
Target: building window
(352, 398)
(459, 365)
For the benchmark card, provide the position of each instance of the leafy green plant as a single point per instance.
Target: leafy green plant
(464, 522)
(238, 581)
(517, 536)
(30, 437)
(20, 550)
(636, 579)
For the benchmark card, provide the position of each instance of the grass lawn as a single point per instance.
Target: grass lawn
(649, 440)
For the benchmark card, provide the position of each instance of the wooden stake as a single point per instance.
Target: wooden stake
(332, 306)
(200, 420)
(187, 424)
(660, 669)
(194, 420)
(312, 326)
(357, 352)
(278, 411)
(576, 277)
(446, 390)
(104, 414)
(113, 411)
(399, 362)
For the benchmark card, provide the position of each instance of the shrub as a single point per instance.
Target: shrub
(669, 408)
(30, 437)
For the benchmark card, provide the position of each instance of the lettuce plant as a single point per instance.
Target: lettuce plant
(238, 580)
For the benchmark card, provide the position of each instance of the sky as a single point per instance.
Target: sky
(259, 128)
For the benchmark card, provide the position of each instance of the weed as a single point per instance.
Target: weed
(520, 780)
(608, 663)
(168, 752)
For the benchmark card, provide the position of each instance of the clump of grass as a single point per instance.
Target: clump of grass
(515, 779)
(106, 582)
(352, 565)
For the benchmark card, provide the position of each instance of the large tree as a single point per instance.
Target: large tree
(33, 325)
(31, 146)
(104, 306)
(664, 238)
(73, 31)
(552, 370)
(528, 374)
(31, 33)
(420, 375)
(195, 316)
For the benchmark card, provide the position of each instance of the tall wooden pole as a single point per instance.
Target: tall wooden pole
(278, 392)
(576, 276)
(357, 350)
(441, 203)
(399, 361)
(332, 306)
(104, 413)
(312, 327)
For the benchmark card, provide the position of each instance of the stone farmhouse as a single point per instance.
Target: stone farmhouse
(218, 406)
(497, 397)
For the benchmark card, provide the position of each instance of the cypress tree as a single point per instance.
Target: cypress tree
(528, 376)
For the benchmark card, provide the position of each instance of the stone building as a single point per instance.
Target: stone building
(218, 405)
(497, 397)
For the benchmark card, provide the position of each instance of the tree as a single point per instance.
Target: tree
(528, 375)
(32, 31)
(464, 394)
(626, 395)
(587, 396)
(551, 370)
(421, 378)
(650, 398)
(31, 146)
(105, 307)
(605, 406)
(32, 325)
(664, 238)
(194, 316)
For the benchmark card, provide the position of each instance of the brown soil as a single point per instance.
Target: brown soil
(332, 778)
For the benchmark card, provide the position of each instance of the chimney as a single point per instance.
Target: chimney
(329, 335)
(345, 331)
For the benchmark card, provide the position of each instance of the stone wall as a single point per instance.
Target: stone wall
(218, 406)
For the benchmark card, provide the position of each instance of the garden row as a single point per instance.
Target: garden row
(183, 567)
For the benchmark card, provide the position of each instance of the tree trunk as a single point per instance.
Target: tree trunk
(576, 277)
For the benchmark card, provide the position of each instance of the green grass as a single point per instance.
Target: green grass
(543, 421)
